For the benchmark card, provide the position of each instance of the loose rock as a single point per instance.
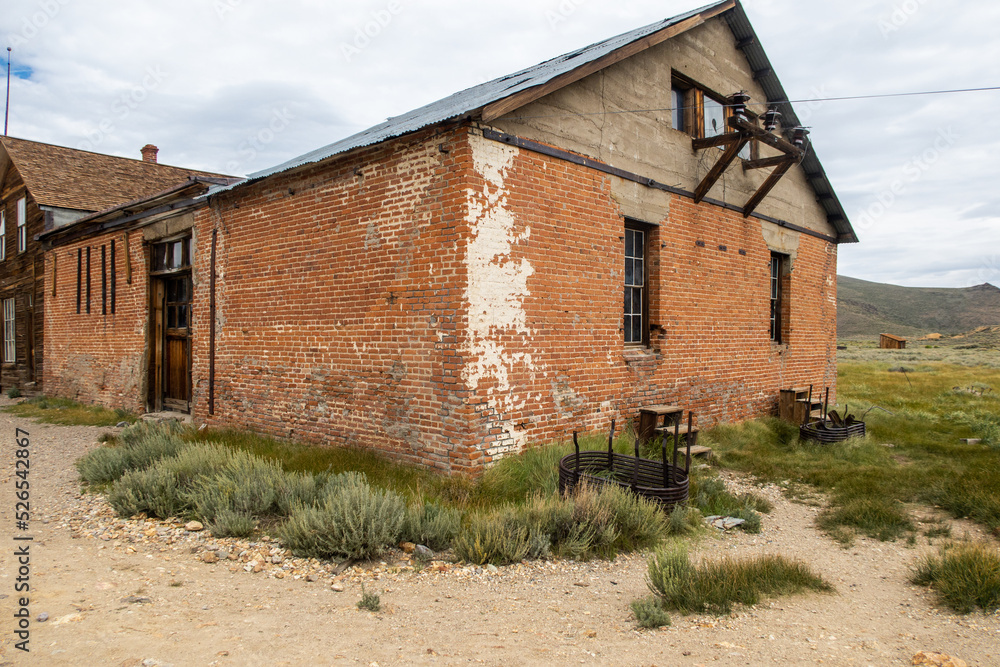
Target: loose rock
(194, 526)
(937, 660)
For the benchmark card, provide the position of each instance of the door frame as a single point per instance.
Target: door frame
(158, 276)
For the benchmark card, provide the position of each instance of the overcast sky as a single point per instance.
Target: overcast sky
(236, 86)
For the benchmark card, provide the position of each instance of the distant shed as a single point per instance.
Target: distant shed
(890, 342)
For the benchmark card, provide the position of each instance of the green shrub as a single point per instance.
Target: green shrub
(711, 497)
(649, 613)
(353, 520)
(154, 491)
(164, 488)
(639, 523)
(102, 465)
(715, 586)
(245, 485)
(965, 575)
(14, 392)
(232, 523)
(432, 525)
(683, 520)
(106, 464)
(299, 488)
(499, 537)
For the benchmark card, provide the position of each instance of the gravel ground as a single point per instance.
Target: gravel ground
(123, 592)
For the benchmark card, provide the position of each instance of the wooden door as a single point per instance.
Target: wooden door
(170, 327)
(177, 343)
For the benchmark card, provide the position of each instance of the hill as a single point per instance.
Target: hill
(867, 309)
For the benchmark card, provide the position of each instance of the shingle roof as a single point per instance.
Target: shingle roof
(70, 178)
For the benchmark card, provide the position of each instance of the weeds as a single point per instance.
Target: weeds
(966, 576)
(649, 613)
(716, 586)
(432, 525)
(369, 601)
(14, 392)
(711, 497)
(48, 410)
(495, 537)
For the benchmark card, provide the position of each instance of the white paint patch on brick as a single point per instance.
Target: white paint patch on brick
(497, 287)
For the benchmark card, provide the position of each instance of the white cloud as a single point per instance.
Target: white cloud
(231, 67)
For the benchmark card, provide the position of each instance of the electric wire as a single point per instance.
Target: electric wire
(778, 102)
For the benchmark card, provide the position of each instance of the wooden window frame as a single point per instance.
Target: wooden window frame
(694, 110)
(114, 280)
(636, 226)
(79, 279)
(3, 236)
(88, 280)
(777, 296)
(22, 224)
(9, 330)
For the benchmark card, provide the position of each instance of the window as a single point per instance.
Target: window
(79, 278)
(636, 313)
(22, 224)
(702, 114)
(9, 346)
(88, 279)
(777, 292)
(172, 255)
(3, 236)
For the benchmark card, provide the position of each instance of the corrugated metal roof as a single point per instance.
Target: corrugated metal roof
(475, 98)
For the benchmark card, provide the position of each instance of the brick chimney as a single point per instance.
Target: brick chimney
(149, 152)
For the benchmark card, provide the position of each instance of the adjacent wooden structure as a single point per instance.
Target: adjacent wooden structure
(891, 342)
(799, 405)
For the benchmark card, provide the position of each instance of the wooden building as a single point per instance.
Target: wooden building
(891, 342)
(45, 187)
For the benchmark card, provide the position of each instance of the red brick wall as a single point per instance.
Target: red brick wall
(95, 357)
(712, 355)
(339, 303)
(447, 299)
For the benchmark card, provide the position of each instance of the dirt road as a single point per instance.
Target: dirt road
(132, 593)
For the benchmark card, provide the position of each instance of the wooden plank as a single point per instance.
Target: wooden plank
(767, 162)
(720, 167)
(495, 110)
(766, 187)
(766, 137)
(717, 140)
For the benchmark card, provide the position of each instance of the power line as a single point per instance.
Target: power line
(775, 102)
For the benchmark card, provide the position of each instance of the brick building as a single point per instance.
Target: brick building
(448, 286)
(45, 187)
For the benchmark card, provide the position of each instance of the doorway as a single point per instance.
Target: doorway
(170, 326)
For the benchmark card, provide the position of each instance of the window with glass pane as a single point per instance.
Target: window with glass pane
(22, 224)
(776, 269)
(635, 283)
(172, 255)
(677, 97)
(9, 345)
(3, 236)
